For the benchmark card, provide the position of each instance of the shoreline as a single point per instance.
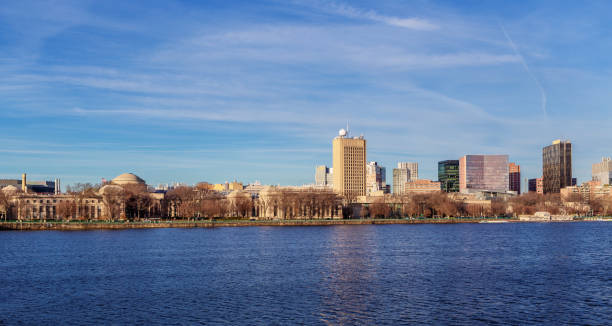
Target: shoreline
(79, 226)
(67, 226)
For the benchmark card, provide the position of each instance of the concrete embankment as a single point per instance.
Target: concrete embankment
(208, 224)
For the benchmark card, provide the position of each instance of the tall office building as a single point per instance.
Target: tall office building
(557, 166)
(413, 167)
(602, 171)
(448, 175)
(323, 176)
(406, 171)
(375, 177)
(488, 173)
(514, 177)
(349, 159)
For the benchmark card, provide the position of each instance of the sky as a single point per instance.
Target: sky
(190, 91)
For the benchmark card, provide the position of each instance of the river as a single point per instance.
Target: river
(513, 273)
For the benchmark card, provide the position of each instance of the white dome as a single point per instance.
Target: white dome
(128, 178)
(342, 132)
(10, 189)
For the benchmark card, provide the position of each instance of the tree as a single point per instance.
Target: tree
(66, 209)
(379, 208)
(5, 207)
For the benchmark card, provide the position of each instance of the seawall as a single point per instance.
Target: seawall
(208, 224)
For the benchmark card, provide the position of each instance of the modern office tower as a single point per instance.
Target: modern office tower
(488, 173)
(413, 167)
(375, 177)
(574, 181)
(532, 185)
(514, 177)
(400, 177)
(448, 175)
(406, 171)
(557, 166)
(349, 159)
(323, 176)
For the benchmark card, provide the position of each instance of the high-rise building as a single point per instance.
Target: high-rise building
(557, 166)
(349, 159)
(486, 173)
(323, 176)
(406, 171)
(413, 167)
(514, 177)
(602, 171)
(400, 177)
(375, 178)
(448, 175)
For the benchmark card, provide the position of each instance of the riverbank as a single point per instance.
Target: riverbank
(99, 225)
(79, 225)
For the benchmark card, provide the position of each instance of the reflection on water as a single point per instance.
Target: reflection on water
(557, 273)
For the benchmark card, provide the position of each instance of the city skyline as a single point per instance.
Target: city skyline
(203, 92)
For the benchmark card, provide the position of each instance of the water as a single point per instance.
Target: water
(555, 273)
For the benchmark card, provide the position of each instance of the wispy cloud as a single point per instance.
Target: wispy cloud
(527, 69)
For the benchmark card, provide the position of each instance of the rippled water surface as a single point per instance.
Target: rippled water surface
(557, 273)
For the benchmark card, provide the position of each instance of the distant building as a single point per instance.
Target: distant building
(406, 171)
(536, 185)
(349, 161)
(36, 187)
(413, 167)
(375, 178)
(602, 171)
(400, 177)
(483, 173)
(514, 177)
(557, 166)
(323, 176)
(448, 175)
(588, 190)
(422, 186)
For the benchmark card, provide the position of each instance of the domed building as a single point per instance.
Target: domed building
(10, 190)
(128, 178)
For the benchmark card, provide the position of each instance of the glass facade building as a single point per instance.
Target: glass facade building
(515, 177)
(557, 166)
(483, 173)
(448, 175)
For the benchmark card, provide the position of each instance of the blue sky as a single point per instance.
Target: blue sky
(256, 90)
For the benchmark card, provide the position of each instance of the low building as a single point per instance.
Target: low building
(422, 186)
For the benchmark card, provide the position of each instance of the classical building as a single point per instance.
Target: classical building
(324, 176)
(296, 203)
(514, 177)
(349, 161)
(448, 175)
(375, 178)
(483, 173)
(108, 202)
(602, 171)
(557, 166)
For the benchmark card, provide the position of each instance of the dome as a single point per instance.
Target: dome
(10, 189)
(237, 194)
(110, 190)
(342, 132)
(127, 178)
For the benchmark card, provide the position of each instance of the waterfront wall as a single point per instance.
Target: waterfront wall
(209, 224)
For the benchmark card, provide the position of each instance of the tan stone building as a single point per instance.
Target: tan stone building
(349, 164)
(422, 186)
